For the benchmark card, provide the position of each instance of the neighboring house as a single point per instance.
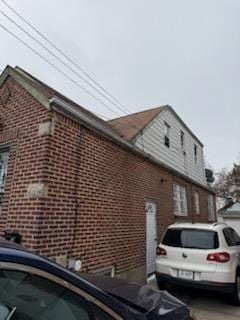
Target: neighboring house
(73, 187)
(230, 214)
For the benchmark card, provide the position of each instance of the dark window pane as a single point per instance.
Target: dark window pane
(191, 238)
(167, 141)
(231, 236)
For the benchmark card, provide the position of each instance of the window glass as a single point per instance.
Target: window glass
(182, 139)
(3, 171)
(196, 203)
(179, 200)
(195, 152)
(231, 236)
(29, 297)
(211, 208)
(166, 134)
(191, 238)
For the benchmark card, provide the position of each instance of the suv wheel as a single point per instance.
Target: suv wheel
(161, 285)
(236, 294)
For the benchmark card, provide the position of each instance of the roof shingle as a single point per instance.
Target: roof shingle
(129, 126)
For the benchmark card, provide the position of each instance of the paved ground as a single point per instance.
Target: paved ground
(204, 305)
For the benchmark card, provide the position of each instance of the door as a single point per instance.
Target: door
(151, 236)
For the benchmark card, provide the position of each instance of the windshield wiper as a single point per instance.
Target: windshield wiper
(11, 313)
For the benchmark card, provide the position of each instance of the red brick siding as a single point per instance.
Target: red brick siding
(21, 113)
(111, 186)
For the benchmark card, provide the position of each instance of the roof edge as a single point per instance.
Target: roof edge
(19, 78)
(136, 113)
(184, 124)
(148, 125)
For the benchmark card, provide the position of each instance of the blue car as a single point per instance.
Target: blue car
(34, 288)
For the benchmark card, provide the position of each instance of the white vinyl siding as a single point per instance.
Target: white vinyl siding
(211, 208)
(179, 200)
(196, 203)
(152, 141)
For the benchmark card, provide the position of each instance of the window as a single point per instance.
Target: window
(196, 203)
(211, 208)
(179, 200)
(182, 135)
(3, 171)
(195, 152)
(191, 238)
(166, 134)
(30, 297)
(231, 237)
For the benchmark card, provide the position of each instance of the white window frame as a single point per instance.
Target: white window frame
(196, 203)
(211, 208)
(4, 155)
(180, 200)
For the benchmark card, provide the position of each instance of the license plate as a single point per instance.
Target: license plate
(184, 274)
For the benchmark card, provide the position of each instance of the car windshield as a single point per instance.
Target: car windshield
(191, 238)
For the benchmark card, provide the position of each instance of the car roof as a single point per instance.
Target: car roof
(13, 253)
(203, 226)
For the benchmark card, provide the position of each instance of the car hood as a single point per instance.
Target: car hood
(155, 304)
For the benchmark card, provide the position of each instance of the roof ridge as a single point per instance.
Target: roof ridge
(139, 112)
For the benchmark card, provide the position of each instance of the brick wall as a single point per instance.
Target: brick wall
(94, 206)
(20, 117)
(100, 190)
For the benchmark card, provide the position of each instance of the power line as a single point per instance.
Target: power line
(55, 56)
(58, 69)
(59, 59)
(63, 54)
(122, 108)
(152, 152)
(55, 67)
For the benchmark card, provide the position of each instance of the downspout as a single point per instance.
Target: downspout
(76, 180)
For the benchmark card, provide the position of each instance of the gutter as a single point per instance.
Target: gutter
(59, 105)
(230, 214)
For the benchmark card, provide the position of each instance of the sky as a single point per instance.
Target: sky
(146, 53)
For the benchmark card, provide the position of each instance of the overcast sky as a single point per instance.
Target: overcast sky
(147, 53)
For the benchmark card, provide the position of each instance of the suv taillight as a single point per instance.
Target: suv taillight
(219, 257)
(161, 252)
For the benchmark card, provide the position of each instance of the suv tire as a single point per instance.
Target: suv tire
(161, 285)
(236, 295)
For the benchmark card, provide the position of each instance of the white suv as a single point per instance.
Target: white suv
(200, 255)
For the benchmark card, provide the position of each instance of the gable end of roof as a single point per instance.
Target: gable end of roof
(35, 93)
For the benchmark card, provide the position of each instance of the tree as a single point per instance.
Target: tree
(227, 183)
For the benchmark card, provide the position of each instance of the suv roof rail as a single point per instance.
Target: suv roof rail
(218, 223)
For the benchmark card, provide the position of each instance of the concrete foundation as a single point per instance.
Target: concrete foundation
(134, 275)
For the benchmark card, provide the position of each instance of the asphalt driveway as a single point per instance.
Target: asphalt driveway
(204, 305)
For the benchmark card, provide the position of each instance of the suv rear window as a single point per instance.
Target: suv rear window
(191, 238)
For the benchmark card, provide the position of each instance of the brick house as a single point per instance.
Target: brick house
(76, 187)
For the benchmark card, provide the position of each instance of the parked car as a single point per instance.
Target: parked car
(202, 256)
(34, 288)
